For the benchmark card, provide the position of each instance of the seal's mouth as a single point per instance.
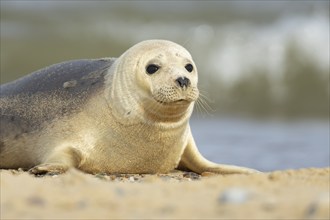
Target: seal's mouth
(181, 101)
(175, 102)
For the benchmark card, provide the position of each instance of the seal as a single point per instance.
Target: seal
(114, 115)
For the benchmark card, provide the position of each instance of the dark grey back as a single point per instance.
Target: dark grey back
(86, 73)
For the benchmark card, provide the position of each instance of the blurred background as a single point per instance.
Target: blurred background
(263, 65)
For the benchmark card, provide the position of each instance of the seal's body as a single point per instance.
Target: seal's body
(125, 115)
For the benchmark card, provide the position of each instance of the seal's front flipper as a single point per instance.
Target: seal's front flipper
(49, 169)
(192, 159)
(58, 162)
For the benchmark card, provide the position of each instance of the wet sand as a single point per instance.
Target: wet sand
(290, 194)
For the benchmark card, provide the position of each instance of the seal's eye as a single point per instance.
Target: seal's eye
(152, 68)
(189, 67)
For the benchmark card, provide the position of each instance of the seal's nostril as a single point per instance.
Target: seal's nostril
(183, 82)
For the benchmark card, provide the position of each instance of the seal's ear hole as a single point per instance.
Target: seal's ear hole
(189, 67)
(152, 68)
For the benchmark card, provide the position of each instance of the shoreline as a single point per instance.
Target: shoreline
(288, 194)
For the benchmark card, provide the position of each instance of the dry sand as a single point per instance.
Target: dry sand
(291, 194)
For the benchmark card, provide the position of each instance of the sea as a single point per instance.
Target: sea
(263, 145)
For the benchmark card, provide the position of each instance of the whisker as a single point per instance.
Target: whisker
(202, 104)
(198, 109)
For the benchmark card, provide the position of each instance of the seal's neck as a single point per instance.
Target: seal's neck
(122, 94)
(168, 113)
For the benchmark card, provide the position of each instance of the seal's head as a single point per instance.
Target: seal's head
(156, 79)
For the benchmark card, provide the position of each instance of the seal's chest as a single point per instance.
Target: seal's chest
(153, 158)
(136, 153)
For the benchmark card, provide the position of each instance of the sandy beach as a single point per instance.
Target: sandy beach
(290, 194)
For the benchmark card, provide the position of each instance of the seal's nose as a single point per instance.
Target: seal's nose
(183, 82)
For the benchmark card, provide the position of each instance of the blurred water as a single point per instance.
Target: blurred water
(263, 145)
